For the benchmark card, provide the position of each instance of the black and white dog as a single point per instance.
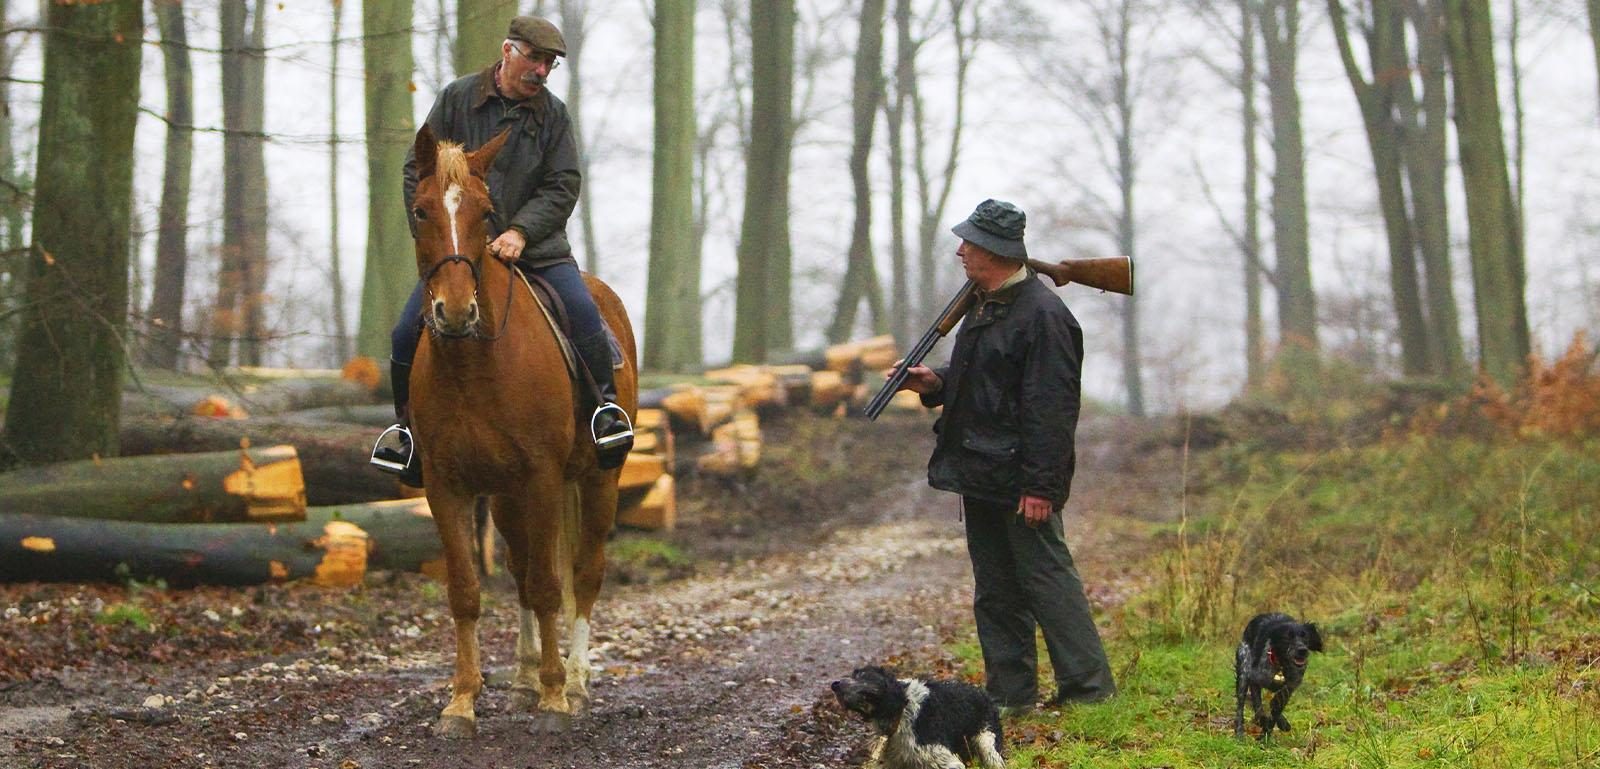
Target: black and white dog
(924, 724)
(1272, 656)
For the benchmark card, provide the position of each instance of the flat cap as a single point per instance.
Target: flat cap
(539, 33)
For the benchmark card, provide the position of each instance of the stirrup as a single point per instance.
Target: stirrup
(615, 440)
(403, 437)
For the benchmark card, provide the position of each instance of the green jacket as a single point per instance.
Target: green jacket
(1010, 399)
(534, 180)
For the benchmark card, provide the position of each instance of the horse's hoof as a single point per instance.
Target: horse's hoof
(578, 703)
(522, 699)
(456, 728)
(551, 722)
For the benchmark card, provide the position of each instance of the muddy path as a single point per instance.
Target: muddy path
(793, 586)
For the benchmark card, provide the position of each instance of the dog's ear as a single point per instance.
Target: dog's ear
(1313, 638)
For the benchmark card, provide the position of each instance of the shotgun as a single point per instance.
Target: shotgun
(1109, 273)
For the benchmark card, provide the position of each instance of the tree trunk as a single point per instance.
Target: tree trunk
(480, 28)
(574, 22)
(1297, 302)
(900, 306)
(762, 322)
(13, 196)
(67, 386)
(672, 305)
(49, 548)
(333, 457)
(391, 269)
(1424, 146)
(1494, 230)
(1386, 49)
(253, 167)
(934, 201)
(1255, 342)
(1126, 178)
(1594, 31)
(172, 240)
(341, 323)
(262, 485)
(861, 276)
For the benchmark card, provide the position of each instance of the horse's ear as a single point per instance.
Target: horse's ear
(481, 158)
(426, 152)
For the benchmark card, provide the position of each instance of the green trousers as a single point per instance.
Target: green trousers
(1026, 581)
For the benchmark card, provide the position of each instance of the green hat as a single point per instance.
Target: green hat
(539, 33)
(996, 226)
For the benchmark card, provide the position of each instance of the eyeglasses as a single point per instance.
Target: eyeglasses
(549, 60)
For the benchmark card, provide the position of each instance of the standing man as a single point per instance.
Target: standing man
(534, 186)
(1005, 444)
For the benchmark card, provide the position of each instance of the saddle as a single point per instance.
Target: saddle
(555, 312)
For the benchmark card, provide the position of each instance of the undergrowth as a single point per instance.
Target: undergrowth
(1455, 574)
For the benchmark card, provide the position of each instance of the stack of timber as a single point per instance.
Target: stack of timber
(646, 492)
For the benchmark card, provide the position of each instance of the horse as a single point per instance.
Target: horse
(493, 414)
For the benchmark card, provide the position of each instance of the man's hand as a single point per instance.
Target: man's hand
(1034, 510)
(508, 247)
(919, 379)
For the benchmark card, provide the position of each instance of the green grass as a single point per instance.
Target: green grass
(125, 614)
(1457, 585)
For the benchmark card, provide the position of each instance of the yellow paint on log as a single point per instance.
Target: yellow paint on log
(39, 544)
(344, 559)
(273, 491)
(276, 570)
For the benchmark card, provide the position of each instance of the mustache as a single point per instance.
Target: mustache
(532, 78)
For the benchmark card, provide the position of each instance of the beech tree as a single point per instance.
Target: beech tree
(66, 390)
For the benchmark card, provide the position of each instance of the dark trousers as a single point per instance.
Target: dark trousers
(1026, 580)
(568, 283)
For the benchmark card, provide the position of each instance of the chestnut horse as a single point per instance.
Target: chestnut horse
(493, 415)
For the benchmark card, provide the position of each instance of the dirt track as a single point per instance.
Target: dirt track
(727, 668)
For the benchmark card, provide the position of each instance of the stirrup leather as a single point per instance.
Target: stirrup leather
(401, 442)
(615, 440)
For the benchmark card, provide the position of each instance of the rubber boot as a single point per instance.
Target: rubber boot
(394, 451)
(608, 426)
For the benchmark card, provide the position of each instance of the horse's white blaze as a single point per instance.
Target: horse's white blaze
(452, 204)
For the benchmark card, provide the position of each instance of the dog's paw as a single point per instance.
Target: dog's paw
(1283, 724)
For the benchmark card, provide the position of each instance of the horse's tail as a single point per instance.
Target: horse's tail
(571, 534)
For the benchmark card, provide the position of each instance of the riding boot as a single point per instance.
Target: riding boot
(395, 452)
(608, 426)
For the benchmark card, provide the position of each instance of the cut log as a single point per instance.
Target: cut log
(271, 397)
(641, 470)
(657, 509)
(736, 447)
(333, 457)
(260, 485)
(53, 548)
(685, 406)
(828, 390)
(653, 435)
(759, 388)
(401, 534)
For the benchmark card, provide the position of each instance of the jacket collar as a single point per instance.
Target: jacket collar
(1007, 291)
(537, 105)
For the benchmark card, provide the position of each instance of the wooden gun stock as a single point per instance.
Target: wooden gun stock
(1107, 273)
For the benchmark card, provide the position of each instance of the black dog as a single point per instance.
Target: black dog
(1271, 656)
(924, 724)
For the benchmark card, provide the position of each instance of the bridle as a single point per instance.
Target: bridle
(477, 275)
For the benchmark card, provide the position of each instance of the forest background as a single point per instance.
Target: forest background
(734, 233)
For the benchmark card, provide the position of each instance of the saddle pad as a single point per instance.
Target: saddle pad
(569, 354)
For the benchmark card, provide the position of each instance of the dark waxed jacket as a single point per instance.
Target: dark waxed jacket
(1010, 399)
(534, 180)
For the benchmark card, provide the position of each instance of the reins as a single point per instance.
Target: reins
(472, 331)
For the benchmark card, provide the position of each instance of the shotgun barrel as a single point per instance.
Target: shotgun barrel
(947, 320)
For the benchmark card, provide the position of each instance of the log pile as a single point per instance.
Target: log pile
(269, 481)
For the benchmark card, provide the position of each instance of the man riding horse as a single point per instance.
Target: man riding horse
(534, 187)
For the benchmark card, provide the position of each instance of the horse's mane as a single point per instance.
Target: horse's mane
(452, 166)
